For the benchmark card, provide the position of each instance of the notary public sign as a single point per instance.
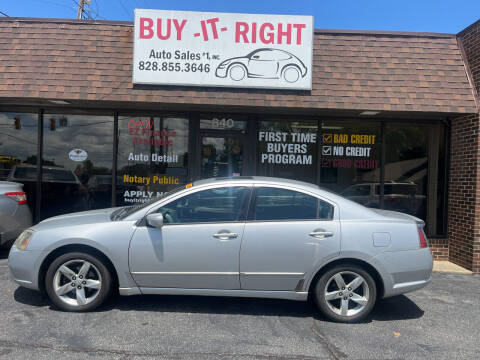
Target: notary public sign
(223, 49)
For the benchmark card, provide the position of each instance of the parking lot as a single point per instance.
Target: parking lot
(441, 322)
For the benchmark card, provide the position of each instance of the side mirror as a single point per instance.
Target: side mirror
(155, 220)
(256, 57)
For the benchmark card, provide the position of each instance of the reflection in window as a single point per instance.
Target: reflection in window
(18, 151)
(152, 157)
(414, 168)
(282, 204)
(213, 205)
(221, 157)
(77, 150)
(350, 163)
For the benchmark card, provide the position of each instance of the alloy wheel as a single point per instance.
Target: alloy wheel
(77, 282)
(347, 293)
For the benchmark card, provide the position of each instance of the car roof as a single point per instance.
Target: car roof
(349, 209)
(257, 180)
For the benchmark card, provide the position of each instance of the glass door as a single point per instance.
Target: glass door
(221, 155)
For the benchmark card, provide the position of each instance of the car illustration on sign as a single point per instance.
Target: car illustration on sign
(263, 63)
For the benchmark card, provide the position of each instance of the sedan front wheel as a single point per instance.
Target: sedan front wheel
(78, 282)
(237, 72)
(345, 293)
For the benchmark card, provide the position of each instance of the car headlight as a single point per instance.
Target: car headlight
(23, 239)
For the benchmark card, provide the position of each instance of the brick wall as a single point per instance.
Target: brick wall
(464, 196)
(439, 248)
(464, 189)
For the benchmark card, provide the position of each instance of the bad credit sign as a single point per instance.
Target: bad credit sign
(222, 49)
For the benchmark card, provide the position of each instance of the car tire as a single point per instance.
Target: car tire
(237, 72)
(70, 270)
(291, 74)
(337, 302)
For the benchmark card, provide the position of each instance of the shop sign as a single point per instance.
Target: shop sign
(222, 49)
(286, 148)
(348, 151)
(155, 160)
(78, 155)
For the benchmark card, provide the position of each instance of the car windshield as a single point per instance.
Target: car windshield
(254, 52)
(398, 189)
(49, 174)
(125, 211)
(58, 175)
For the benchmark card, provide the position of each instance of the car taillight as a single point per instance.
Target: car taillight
(19, 197)
(423, 238)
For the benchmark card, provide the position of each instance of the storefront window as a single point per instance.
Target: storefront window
(287, 149)
(18, 151)
(350, 159)
(152, 157)
(221, 156)
(77, 163)
(414, 171)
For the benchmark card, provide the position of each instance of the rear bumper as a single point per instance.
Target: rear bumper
(408, 270)
(12, 225)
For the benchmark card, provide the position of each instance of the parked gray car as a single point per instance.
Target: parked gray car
(15, 215)
(247, 236)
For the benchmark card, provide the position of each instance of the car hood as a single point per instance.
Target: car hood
(395, 215)
(78, 218)
(234, 58)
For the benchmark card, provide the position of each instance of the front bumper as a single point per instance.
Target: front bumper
(24, 265)
(221, 72)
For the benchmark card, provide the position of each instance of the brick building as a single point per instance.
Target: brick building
(404, 105)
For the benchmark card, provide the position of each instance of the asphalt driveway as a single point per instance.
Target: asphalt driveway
(439, 322)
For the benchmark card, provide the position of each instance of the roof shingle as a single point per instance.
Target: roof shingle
(351, 71)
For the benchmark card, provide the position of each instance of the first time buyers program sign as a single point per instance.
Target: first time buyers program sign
(223, 49)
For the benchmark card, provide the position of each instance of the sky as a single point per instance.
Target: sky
(447, 16)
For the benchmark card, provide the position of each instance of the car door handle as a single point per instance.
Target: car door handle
(225, 236)
(321, 234)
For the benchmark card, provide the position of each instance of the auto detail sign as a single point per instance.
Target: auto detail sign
(222, 49)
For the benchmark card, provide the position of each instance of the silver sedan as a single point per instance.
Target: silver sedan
(247, 236)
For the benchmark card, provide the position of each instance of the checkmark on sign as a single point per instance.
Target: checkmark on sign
(327, 138)
(326, 150)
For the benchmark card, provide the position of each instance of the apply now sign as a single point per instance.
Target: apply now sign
(222, 49)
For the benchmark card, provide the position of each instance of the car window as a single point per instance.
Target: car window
(25, 173)
(265, 55)
(360, 190)
(399, 189)
(213, 205)
(58, 175)
(281, 204)
(280, 55)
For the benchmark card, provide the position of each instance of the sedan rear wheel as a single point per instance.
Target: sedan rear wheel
(78, 282)
(346, 293)
(291, 74)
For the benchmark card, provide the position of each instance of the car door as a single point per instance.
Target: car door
(263, 64)
(288, 233)
(198, 245)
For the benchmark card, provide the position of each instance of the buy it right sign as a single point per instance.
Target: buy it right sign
(223, 49)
